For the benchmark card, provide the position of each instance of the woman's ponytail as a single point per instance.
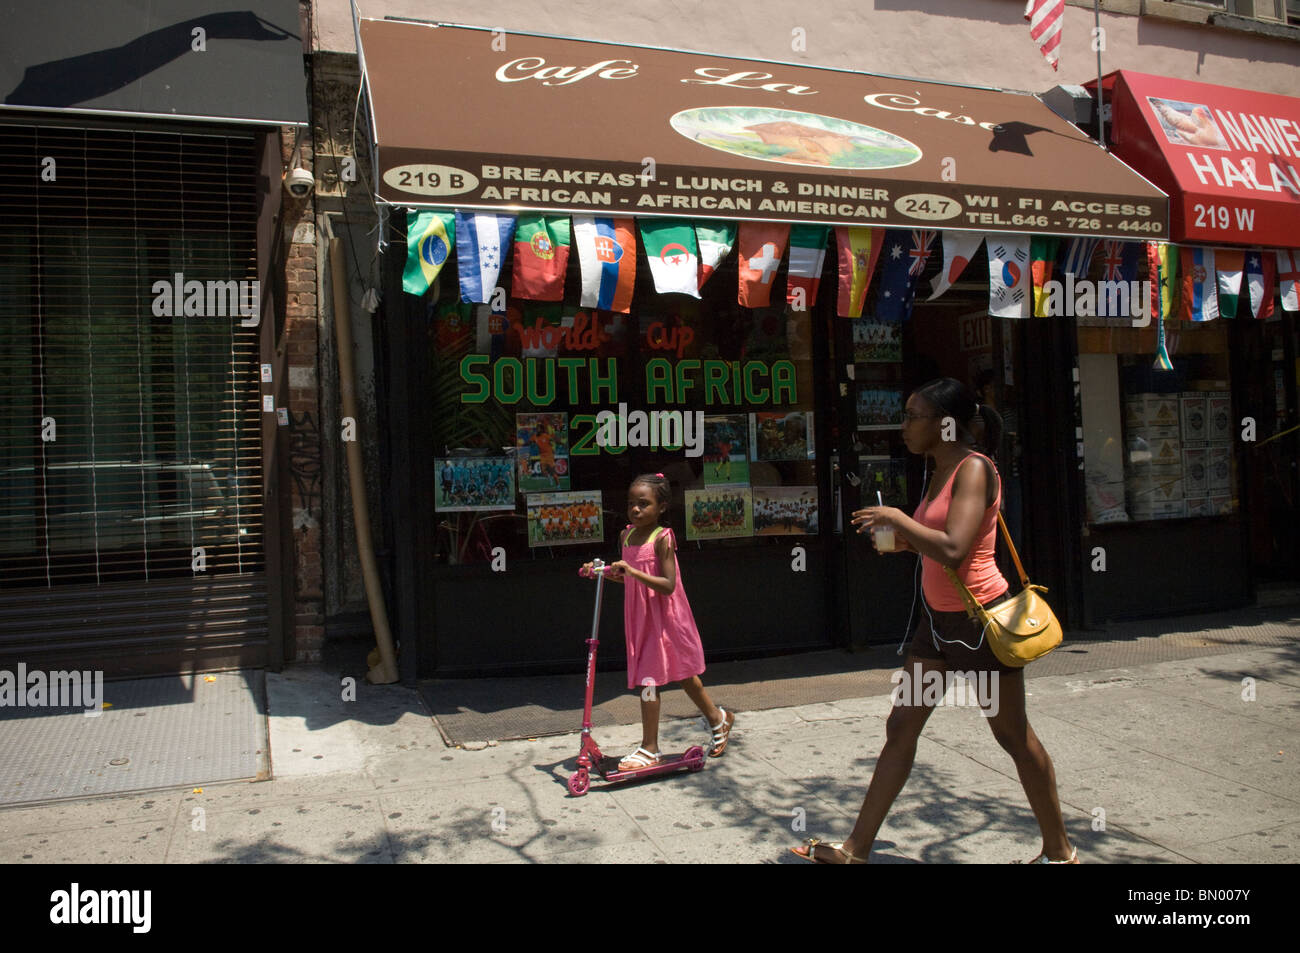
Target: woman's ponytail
(992, 440)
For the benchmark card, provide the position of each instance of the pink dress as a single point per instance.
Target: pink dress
(663, 644)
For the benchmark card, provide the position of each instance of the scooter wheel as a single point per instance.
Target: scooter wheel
(579, 782)
(694, 757)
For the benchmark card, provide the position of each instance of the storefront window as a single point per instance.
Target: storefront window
(543, 413)
(1157, 444)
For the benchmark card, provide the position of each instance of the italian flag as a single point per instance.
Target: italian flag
(673, 254)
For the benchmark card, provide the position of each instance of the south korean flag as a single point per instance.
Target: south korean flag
(1010, 281)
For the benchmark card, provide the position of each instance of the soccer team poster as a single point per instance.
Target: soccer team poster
(565, 519)
(880, 409)
(473, 483)
(785, 510)
(719, 513)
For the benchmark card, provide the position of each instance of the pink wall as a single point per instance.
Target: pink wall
(982, 42)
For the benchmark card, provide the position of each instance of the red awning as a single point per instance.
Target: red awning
(1229, 158)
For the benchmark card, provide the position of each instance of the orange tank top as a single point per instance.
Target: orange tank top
(978, 570)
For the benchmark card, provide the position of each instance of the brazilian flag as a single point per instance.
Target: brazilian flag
(430, 236)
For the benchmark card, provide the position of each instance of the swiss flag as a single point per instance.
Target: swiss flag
(761, 246)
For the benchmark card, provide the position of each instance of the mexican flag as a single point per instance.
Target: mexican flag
(1229, 263)
(807, 256)
(715, 240)
(541, 257)
(673, 254)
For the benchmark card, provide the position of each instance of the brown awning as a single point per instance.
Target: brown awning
(472, 118)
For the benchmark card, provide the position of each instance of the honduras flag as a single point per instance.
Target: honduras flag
(428, 243)
(482, 239)
(607, 257)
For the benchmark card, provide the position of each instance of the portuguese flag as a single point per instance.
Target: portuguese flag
(541, 257)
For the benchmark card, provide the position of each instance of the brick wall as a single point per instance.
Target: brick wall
(301, 339)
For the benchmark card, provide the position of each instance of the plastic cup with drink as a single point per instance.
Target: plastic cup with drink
(883, 536)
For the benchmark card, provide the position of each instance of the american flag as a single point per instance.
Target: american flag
(1045, 18)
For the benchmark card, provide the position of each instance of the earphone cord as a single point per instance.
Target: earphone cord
(925, 484)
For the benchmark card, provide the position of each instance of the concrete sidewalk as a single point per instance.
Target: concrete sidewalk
(1168, 755)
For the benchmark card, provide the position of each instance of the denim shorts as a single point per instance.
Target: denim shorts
(956, 640)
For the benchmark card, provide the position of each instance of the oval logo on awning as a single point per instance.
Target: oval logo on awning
(928, 207)
(794, 138)
(424, 179)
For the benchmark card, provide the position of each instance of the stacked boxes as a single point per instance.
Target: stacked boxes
(1179, 454)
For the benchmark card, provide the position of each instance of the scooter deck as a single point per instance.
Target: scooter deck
(692, 759)
(608, 767)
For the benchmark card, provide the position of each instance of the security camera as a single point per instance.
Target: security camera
(299, 183)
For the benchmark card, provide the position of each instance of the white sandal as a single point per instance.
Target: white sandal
(640, 758)
(722, 733)
(1042, 859)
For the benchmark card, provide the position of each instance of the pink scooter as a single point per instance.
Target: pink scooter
(589, 755)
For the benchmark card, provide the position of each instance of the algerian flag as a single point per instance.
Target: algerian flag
(716, 239)
(673, 254)
(1229, 263)
(429, 237)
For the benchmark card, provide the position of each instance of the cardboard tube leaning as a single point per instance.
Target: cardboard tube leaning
(384, 670)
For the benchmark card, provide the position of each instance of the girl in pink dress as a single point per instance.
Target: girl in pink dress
(663, 644)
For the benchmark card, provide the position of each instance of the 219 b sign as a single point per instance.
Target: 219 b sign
(428, 179)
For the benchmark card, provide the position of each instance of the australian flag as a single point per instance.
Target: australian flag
(905, 253)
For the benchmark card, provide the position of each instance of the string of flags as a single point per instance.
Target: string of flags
(1026, 273)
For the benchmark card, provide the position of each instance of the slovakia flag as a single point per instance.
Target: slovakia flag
(607, 257)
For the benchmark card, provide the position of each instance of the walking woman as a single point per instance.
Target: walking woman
(955, 525)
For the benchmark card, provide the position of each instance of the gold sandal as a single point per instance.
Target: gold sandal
(814, 842)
